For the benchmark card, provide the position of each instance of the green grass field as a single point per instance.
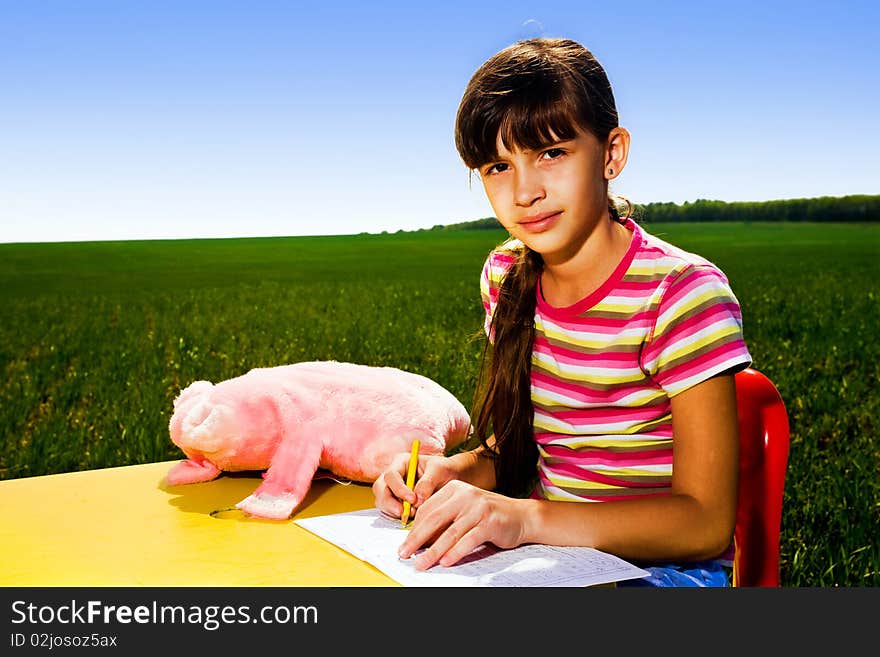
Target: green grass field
(96, 339)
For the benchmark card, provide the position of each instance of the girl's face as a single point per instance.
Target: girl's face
(550, 199)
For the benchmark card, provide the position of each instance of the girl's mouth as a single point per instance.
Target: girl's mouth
(539, 223)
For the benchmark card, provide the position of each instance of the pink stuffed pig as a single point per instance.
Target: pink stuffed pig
(293, 419)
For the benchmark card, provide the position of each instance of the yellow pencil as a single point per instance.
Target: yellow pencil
(410, 478)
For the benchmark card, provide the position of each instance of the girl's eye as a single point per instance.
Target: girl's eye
(553, 153)
(495, 168)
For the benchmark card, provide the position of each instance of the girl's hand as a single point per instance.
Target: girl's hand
(458, 519)
(390, 489)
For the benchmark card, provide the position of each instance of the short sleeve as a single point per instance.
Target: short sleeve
(698, 331)
(497, 264)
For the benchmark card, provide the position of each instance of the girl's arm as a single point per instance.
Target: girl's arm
(694, 522)
(475, 467)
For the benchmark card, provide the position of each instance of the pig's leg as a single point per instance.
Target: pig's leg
(191, 471)
(290, 472)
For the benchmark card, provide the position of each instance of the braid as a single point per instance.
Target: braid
(506, 401)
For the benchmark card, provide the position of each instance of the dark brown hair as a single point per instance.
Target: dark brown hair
(533, 93)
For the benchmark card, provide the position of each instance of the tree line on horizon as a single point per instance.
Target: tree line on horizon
(823, 209)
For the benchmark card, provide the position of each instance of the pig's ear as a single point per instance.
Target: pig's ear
(194, 389)
(191, 472)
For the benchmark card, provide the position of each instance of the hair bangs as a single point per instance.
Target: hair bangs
(535, 126)
(529, 114)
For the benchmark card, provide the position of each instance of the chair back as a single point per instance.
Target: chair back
(763, 459)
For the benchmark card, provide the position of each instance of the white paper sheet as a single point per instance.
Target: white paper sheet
(374, 538)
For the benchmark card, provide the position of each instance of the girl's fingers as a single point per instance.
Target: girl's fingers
(398, 488)
(460, 539)
(390, 490)
(429, 524)
(385, 501)
(441, 520)
(425, 487)
(459, 550)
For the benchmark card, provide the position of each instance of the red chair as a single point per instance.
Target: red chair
(764, 440)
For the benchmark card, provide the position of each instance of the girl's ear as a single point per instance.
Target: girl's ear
(616, 152)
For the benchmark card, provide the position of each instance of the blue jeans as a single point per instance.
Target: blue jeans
(704, 573)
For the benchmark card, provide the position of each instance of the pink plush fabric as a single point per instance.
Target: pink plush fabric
(292, 420)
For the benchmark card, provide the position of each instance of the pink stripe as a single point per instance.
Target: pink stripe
(605, 325)
(573, 391)
(543, 381)
(709, 315)
(565, 355)
(584, 457)
(503, 257)
(682, 286)
(702, 363)
(613, 496)
(642, 293)
(584, 417)
(589, 475)
(720, 312)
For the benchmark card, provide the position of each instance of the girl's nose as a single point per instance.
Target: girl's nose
(528, 187)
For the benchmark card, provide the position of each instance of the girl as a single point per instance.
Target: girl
(608, 372)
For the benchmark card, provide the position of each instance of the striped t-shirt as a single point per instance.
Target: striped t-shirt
(604, 369)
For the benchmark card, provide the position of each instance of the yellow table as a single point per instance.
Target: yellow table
(123, 527)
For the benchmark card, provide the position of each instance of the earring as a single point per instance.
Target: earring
(610, 172)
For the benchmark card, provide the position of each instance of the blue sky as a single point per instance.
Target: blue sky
(145, 120)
